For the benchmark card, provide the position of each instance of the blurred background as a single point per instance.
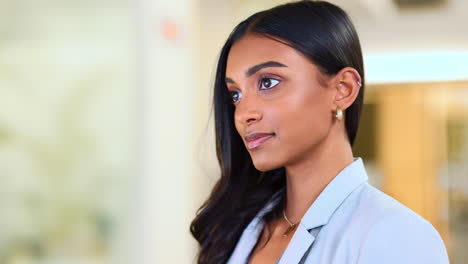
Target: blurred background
(106, 134)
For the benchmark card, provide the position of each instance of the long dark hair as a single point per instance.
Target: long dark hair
(323, 33)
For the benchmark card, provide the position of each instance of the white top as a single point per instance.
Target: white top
(352, 222)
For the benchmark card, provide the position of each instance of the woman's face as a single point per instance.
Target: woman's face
(279, 101)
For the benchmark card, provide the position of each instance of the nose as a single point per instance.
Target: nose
(247, 112)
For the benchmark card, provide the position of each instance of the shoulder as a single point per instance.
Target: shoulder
(393, 233)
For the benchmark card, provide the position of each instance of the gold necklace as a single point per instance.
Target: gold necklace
(291, 225)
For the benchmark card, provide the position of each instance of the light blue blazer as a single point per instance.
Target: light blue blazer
(352, 222)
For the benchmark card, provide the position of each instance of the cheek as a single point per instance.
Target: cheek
(304, 123)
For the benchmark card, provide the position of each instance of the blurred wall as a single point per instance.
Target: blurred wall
(66, 150)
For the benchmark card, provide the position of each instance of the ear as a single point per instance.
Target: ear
(347, 83)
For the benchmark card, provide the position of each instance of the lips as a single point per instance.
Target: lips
(256, 139)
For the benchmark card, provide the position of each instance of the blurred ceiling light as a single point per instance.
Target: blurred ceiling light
(416, 66)
(414, 4)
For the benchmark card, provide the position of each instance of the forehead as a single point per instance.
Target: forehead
(253, 49)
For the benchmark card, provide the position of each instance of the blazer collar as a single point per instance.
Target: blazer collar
(322, 209)
(331, 197)
(334, 194)
(318, 214)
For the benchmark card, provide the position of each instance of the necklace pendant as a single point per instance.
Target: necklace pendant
(290, 228)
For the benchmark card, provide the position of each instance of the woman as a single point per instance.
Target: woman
(288, 96)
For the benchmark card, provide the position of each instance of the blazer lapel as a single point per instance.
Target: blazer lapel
(322, 209)
(250, 235)
(298, 246)
(246, 242)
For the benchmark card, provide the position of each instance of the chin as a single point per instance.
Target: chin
(265, 165)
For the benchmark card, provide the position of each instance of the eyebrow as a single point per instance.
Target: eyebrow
(252, 70)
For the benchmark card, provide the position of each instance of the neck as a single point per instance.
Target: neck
(306, 179)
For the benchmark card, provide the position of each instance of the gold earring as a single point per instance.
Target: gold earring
(339, 114)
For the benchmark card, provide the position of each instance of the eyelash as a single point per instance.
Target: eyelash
(260, 82)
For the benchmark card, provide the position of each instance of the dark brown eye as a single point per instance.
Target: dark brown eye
(235, 96)
(268, 83)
